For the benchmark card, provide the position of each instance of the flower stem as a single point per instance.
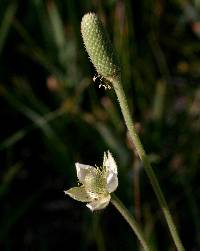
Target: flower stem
(131, 221)
(143, 156)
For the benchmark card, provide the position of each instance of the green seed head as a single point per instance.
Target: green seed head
(99, 47)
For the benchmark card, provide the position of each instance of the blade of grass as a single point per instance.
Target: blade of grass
(58, 31)
(7, 178)
(19, 135)
(36, 53)
(54, 143)
(6, 23)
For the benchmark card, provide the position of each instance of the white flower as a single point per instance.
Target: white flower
(96, 183)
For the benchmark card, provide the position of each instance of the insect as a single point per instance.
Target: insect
(102, 82)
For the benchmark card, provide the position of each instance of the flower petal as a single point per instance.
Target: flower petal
(112, 182)
(109, 162)
(100, 203)
(82, 170)
(79, 193)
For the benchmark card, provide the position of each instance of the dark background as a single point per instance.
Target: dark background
(52, 115)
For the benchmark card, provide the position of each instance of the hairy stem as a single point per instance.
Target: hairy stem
(143, 156)
(131, 221)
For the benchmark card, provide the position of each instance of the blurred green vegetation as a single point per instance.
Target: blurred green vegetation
(52, 115)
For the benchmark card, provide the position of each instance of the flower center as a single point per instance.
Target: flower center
(95, 183)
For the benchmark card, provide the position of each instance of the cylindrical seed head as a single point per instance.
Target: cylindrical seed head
(99, 47)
